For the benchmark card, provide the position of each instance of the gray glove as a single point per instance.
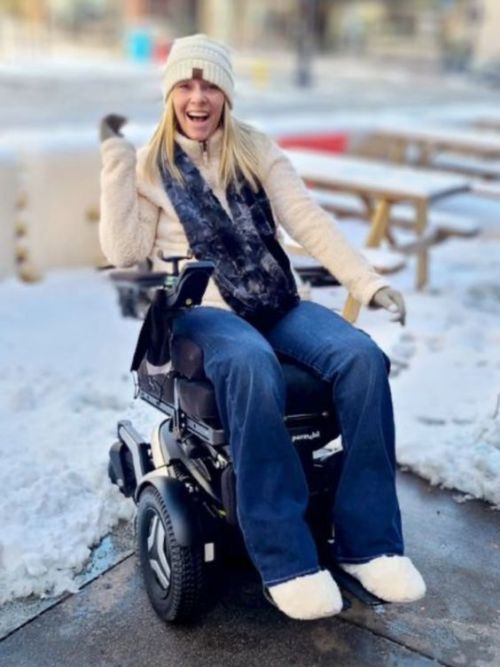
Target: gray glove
(110, 126)
(391, 300)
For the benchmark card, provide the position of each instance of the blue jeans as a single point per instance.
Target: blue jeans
(271, 488)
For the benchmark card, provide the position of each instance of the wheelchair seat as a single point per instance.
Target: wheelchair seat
(306, 394)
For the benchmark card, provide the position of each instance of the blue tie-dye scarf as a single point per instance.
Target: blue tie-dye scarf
(252, 271)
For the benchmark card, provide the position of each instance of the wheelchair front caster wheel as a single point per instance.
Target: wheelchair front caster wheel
(173, 574)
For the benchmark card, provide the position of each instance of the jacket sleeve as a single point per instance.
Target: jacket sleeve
(128, 222)
(313, 228)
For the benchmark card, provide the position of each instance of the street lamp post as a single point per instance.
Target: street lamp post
(305, 41)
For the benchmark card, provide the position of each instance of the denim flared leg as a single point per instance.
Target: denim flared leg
(366, 513)
(271, 488)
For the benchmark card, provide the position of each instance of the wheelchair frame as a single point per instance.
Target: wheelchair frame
(183, 479)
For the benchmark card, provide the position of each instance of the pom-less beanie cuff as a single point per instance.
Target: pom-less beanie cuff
(199, 52)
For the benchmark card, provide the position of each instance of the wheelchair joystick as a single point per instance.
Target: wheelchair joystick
(174, 260)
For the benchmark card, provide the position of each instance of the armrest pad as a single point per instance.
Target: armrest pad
(139, 279)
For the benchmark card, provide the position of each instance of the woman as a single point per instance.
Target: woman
(211, 185)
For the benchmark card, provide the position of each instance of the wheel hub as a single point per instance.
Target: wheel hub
(157, 555)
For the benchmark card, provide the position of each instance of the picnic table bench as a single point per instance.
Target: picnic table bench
(380, 186)
(486, 189)
(441, 224)
(383, 260)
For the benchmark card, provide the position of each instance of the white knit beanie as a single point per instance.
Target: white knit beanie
(199, 52)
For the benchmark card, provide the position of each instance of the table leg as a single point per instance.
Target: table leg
(368, 204)
(425, 156)
(397, 151)
(423, 253)
(379, 223)
(377, 232)
(369, 207)
(351, 309)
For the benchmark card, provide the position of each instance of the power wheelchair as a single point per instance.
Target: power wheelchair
(182, 481)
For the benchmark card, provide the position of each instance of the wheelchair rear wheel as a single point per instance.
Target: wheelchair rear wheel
(173, 574)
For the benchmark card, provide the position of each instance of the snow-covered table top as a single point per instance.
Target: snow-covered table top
(370, 178)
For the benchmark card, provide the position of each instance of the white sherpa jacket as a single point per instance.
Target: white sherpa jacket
(138, 221)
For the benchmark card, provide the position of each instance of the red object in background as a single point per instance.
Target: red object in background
(331, 142)
(161, 50)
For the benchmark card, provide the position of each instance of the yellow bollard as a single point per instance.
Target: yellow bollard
(260, 72)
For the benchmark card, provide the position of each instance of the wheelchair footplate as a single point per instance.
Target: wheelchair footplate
(352, 586)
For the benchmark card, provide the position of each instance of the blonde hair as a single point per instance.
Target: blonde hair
(239, 155)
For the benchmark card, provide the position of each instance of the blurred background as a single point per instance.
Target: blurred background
(455, 34)
(66, 63)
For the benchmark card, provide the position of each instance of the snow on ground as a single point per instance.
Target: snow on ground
(447, 400)
(64, 355)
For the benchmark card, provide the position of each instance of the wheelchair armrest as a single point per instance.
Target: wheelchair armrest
(139, 279)
(191, 286)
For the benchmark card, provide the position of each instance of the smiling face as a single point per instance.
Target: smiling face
(198, 107)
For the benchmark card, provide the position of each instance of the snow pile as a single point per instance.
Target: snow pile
(448, 402)
(64, 353)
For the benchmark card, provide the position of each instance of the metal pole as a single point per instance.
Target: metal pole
(305, 41)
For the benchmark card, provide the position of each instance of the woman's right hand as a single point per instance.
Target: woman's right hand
(110, 126)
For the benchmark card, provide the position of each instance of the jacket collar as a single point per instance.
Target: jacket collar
(201, 151)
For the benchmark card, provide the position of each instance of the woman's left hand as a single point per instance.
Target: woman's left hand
(110, 126)
(391, 300)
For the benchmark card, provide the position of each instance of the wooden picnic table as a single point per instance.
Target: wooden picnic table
(430, 140)
(380, 186)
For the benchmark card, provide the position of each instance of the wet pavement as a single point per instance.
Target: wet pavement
(456, 546)
(112, 549)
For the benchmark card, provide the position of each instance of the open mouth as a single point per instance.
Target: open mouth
(197, 117)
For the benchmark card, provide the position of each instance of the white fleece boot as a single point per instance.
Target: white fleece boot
(309, 597)
(391, 578)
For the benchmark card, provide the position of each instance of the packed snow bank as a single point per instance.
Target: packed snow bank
(445, 374)
(64, 355)
(448, 402)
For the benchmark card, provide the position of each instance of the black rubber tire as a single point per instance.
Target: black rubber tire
(181, 601)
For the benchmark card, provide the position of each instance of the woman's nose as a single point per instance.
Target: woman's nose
(198, 93)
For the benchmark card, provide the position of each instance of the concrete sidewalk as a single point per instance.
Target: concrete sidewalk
(456, 545)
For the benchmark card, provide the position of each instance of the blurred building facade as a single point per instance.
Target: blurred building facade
(452, 32)
(487, 47)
